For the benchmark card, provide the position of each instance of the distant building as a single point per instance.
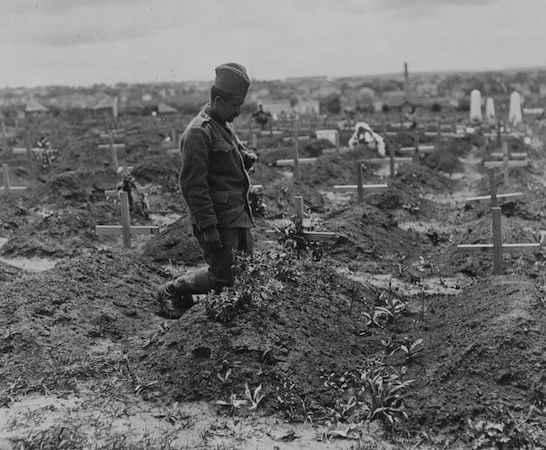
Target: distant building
(310, 107)
(313, 79)
(107, 105)
(277, 109)
(33, 107)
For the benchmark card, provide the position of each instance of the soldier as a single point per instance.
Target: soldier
(215, 185)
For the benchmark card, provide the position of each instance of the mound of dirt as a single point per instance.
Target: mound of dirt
(53, 232)
(158, 169)
(371, 236)
(483, 349)
(176, 243)
(8, 273)
(80, 185)
(420, 177)
(475, 262)
(288, 339)
(53, 319)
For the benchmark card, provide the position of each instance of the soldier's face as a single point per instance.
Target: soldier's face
(230, 108)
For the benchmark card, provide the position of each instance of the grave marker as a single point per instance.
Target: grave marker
(360, 187)
(125, 229)
(497, 246)
(490, 110)
(8, 188)
(311, 236)
(514, 112)
(330, 135)
(475, 105)
(493, 189)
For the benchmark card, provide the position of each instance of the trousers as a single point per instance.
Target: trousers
(219, 272)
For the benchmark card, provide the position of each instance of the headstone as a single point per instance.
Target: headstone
(330, 135)
(475, 105)
(514, 114)
(490, 109)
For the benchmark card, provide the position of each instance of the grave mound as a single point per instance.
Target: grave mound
(175, 244)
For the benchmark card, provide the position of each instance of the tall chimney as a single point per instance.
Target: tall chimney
(406, 85)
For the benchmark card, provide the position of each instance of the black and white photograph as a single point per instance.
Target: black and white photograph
(272, 225)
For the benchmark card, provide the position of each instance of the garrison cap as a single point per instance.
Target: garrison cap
(232, 78)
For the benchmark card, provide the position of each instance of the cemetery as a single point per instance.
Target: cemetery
(393, 301)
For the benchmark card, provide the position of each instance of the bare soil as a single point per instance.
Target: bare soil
(87, 360)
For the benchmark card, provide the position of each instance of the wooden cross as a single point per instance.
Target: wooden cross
(4, 134)
(125, 229)
(8, 189)
(359, 187)
(418, 149)
(391, 160)
(506, 164)
(497, 246)
(493, 189)
(311, 236)
(296, 162)
(113, 150)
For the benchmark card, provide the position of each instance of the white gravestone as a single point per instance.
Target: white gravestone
(514, 114)
(490, 109)
(475, 105)
(330, 135)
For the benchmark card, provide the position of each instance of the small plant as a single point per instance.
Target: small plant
(224, 378)
(380, 317)
(254, 397)
(389, 347)
(487, 434)
(292, 238)
(232, 403)
(384, 396)
(394, 305)
(412, 350)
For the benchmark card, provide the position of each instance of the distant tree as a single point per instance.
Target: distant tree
(331, 104)
(463, 105)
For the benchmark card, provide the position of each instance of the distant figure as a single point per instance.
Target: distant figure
(364, 135)
(46, 155)
(138, 202)
(261, 117)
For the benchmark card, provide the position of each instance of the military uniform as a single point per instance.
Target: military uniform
(215, 184)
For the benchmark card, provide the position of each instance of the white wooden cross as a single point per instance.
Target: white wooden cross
(506, 164)
(125, 229)
(7, 188)
(359, 187)
(497, 246)
(493, 189)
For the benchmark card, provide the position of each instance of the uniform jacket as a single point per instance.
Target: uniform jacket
(214, 179)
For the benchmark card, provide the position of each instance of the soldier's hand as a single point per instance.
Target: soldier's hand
(211, 238)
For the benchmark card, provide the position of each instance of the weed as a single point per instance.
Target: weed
(291, 237)
(384, 395)
(254, 397)
(412, 350)
(232, 403)
(224, 378)
(380, 317)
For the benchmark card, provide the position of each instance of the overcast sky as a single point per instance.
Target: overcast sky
(82, 42)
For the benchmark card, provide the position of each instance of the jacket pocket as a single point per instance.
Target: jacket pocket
(222, 146)
(219, 197)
